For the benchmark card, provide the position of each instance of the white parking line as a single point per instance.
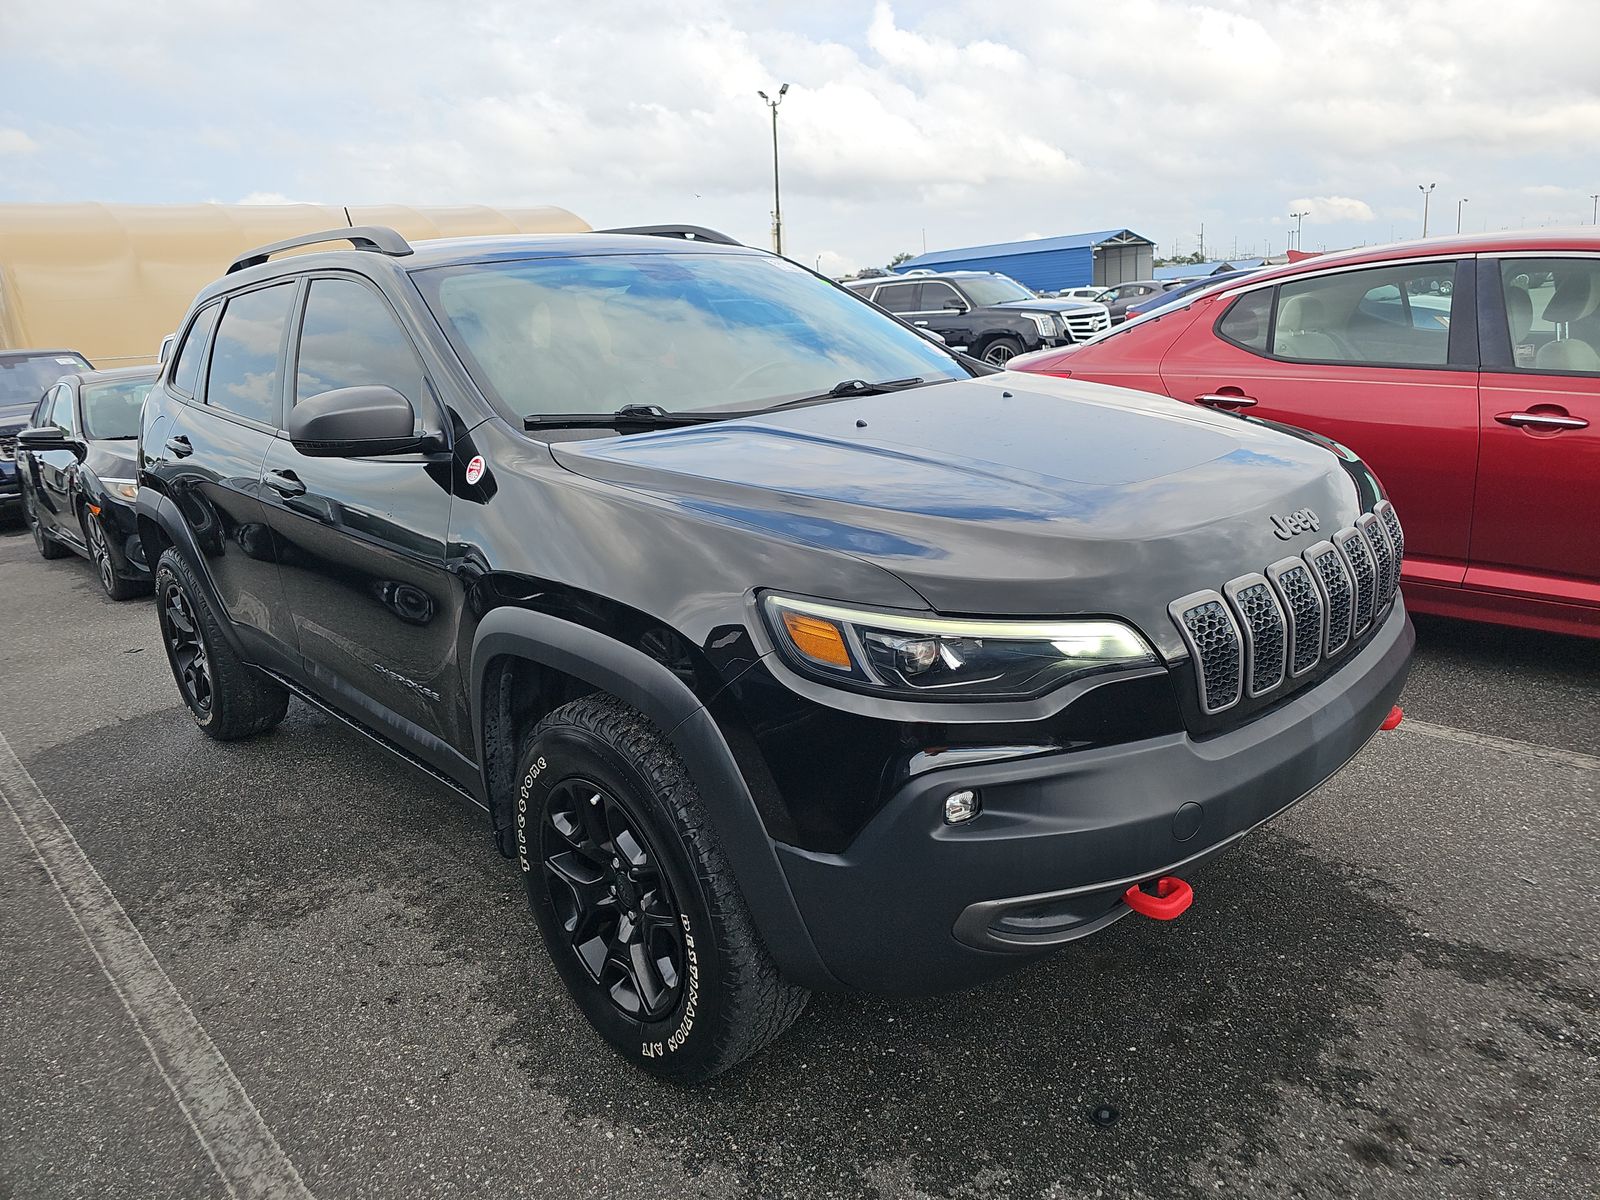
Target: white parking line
(1549, 754)
(247, 1157)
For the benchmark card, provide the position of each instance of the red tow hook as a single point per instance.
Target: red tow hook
(1172, 899)
(1392, 721)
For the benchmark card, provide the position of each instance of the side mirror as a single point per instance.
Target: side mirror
(954, 306)
(166, 348)
(44, 437)
(355, 422)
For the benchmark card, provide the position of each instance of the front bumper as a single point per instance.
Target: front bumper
(916, 906)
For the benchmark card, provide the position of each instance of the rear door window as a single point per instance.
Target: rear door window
(245, 377)
(899, 297)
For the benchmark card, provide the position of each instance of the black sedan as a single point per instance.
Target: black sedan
(79, 477)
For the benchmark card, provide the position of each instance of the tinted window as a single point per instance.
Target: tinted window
(61, 410)
(349, 338)
(938, 296)
(686, 331)
(899, 297)
(1393, 315)
(1245, 322)
(185, 374)
(111, 410)
(1553, 313)
(244, 375)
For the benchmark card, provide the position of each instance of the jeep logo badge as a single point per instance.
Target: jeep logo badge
(1301, 520)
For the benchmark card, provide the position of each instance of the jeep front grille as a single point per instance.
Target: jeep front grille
(8, 446)
(1261, 631)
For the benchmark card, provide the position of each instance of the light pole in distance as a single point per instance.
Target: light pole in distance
(1459, 203)
(1427, 194)
(1298, 217)
(777, 204)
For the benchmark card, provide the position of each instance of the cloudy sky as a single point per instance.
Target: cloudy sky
(958, 122)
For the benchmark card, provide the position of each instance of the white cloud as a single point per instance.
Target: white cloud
(14, 141)
(1331, 210)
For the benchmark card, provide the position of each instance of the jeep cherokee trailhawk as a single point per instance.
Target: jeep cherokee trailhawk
(783, 649)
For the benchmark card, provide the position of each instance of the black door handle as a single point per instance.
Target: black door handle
(179, 446)
(286, 483)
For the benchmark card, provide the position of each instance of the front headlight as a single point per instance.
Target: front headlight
(1045, 322)
(947, 657)
(127, 489)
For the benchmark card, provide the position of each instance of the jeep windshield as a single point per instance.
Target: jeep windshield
(673, 333)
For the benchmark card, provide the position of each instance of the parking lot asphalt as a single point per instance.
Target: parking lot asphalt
(1390, 991)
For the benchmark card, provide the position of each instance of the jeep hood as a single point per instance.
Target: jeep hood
(1007, 494)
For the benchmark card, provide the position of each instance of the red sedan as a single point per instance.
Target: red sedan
(1465, 370)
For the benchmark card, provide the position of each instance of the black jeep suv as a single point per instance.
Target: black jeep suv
(783, 649)
(987, 315)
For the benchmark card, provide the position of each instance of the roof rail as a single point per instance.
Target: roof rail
(378, 239)
(689, 233)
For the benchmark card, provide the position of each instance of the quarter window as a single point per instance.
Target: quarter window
(1245, 322)
(244, 376)
(1396, 315)
(186, 370)
(1553, 313)
(349, 338)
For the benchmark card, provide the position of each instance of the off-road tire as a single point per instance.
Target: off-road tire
(47, 545)
(239, 702)
(733, 1001)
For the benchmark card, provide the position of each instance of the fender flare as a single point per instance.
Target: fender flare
(640, 681)
(158, 509)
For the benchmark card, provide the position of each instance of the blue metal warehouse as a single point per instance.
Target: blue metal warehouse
(1103, 258)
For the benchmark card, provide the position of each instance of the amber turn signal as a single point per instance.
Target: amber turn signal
(818, 639)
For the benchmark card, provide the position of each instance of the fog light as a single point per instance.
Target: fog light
(961, 806)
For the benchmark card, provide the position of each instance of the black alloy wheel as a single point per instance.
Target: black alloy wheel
(186, 648)
(47, 546)
(1001, 351)
(612, 900)
(100, 553)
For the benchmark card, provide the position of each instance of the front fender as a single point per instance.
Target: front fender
(640, 681)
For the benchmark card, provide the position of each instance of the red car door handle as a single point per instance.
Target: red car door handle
(1225, 400)
(1542, 420)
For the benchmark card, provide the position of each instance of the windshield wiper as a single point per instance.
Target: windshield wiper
(856, 387)
(629, 416)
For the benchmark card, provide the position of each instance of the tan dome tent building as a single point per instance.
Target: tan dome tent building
(112, 280)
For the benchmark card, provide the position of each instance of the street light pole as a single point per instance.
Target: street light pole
(777, 203)
(1459, 203)
(1298, 216)
(1594, 218)
(1427, 194)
